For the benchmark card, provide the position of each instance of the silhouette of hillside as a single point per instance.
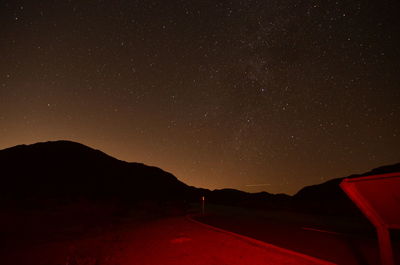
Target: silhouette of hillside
(66, 170)
(69, 170)
(260, 200)
(329, 198)
(326, 198)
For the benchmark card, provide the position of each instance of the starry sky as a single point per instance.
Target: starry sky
(257, 95)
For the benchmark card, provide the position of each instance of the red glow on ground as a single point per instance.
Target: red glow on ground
(166, 241)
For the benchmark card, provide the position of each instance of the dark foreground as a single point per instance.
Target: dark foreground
(44, 238)
(347, 241)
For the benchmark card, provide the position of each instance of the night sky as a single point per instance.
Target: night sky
(255, 95)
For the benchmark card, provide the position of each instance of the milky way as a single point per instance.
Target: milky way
(253, 95)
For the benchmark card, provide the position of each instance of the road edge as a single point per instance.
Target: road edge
(261, 243)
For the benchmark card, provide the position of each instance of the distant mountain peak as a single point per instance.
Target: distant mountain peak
(66, 168)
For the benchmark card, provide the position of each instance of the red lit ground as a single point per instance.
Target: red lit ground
(176, 240)
(343, 241)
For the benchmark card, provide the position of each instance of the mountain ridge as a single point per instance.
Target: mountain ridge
(83, 171)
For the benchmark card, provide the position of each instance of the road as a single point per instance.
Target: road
(337, 247)
(176, 240)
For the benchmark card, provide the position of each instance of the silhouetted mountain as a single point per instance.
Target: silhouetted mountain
(70, 170)
(325, 198)
(234, 197)
(329, 198)
(67, 170)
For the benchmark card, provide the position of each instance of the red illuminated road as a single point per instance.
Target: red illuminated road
(166, 241)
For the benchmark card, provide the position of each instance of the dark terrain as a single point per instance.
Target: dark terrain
(65, 171)
(65, 192)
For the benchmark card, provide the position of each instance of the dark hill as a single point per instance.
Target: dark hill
(67, 170)
(329, 198)
(260, 200)
(326, 198)
(70, 170)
